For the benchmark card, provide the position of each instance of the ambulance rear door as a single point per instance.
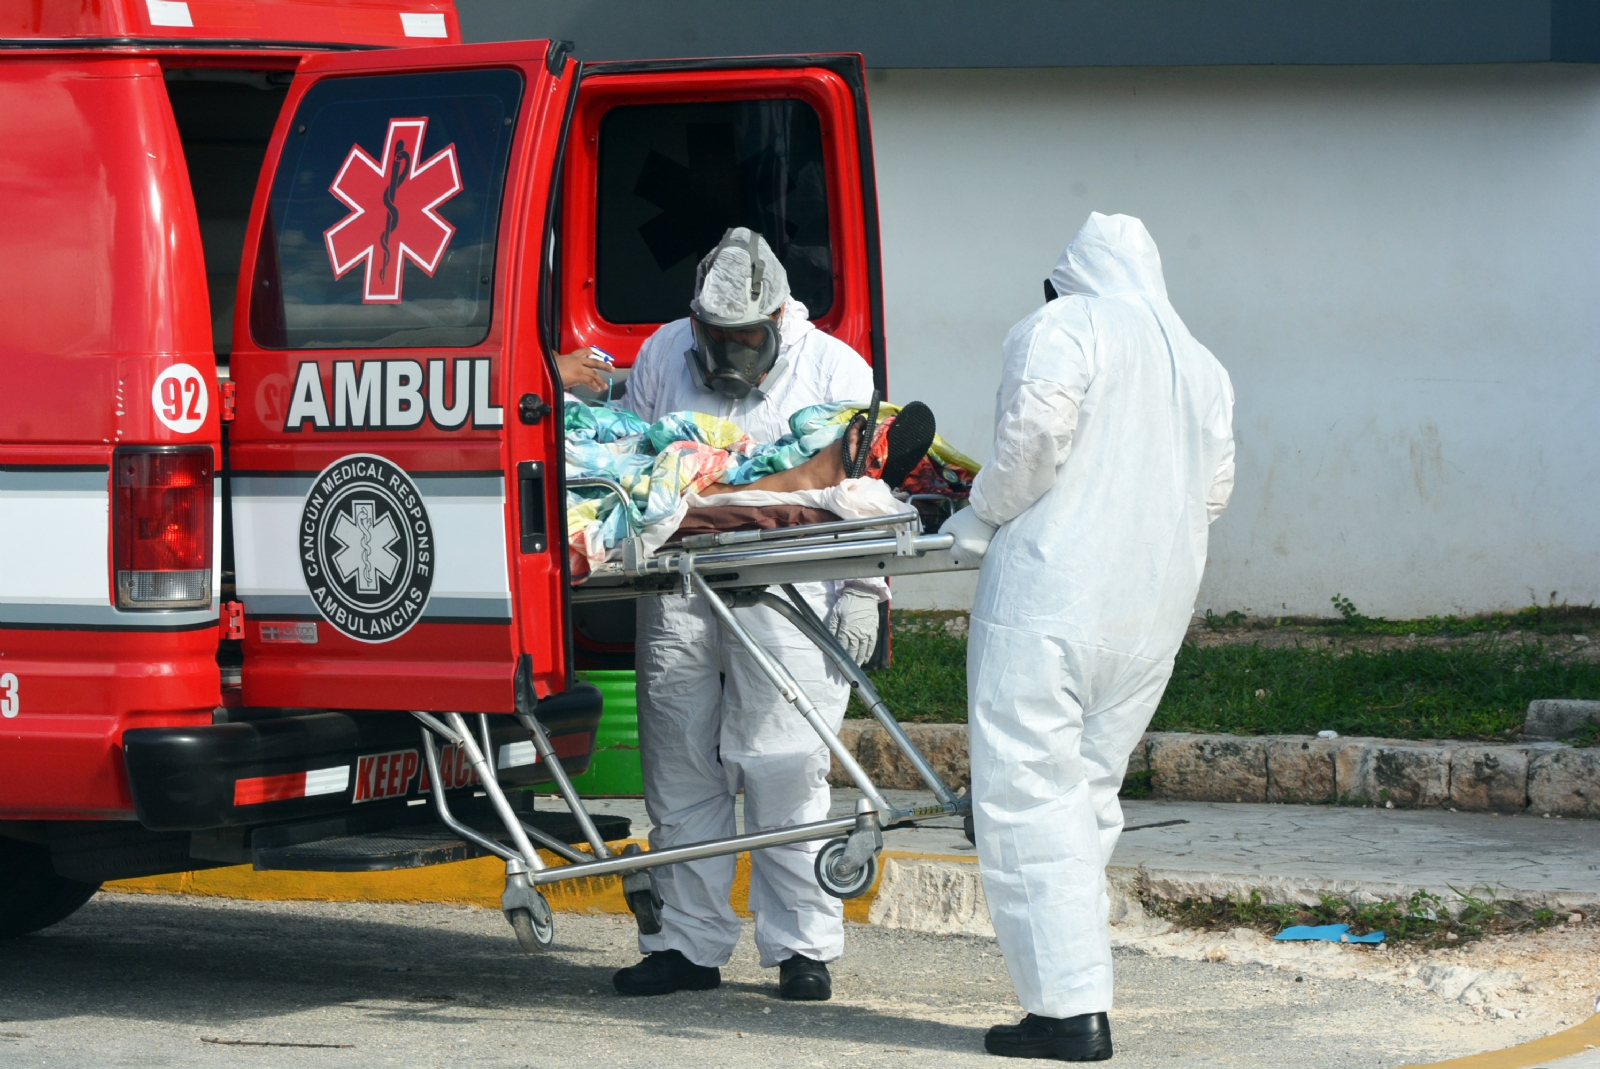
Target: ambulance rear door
(383, 304)
(663, 156)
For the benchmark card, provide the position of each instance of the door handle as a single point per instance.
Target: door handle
(530, 501)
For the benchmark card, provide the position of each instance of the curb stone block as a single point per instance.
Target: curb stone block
(1412, 777)
(1564, 782)
(1472, 777)
(1204, 768)
(1136, 780)
(944, 745)
(940, 897)
(1300, 769)
(1559, 718)
(1489, 779)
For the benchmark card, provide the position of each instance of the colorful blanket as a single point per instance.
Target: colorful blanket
(657, 464)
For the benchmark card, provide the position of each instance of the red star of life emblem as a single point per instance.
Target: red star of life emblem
(392, 205)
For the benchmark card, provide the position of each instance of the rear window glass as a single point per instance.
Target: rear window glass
(674, 177)
(384, 212)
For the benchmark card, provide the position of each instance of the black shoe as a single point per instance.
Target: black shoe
(802, 980)
(1084, 1038)
(664, 972)
(910, 437)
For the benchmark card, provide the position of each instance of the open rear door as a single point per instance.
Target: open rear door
(384, 310)
(661, 158)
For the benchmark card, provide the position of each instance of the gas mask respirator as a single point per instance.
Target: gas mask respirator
(735, 342)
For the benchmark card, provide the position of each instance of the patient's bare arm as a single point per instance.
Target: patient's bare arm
(821, 471)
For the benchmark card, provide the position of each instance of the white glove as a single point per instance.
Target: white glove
(972, 535)
(854, 622)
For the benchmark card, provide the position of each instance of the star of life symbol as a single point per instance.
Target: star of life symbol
(366, 554)
(366, 548)
(392, 204)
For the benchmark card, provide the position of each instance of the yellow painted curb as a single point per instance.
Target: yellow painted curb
(474, 883)
(1574, 1040)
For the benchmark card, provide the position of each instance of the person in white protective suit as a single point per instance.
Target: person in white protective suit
(710, 723)
(1113, 452)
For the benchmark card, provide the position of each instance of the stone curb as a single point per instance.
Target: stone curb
(944, 896)
(1480, 777)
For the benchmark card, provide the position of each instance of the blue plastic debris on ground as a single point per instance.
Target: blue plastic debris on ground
(1328, 933)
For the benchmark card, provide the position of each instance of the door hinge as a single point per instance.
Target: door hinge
(232, 620)
(526, 697)
(532, 408)
(229, 408)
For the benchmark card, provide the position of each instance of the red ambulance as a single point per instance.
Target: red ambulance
(281, 283)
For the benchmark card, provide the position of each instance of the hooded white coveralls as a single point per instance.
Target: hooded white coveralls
(1113, 451)
(701, 739)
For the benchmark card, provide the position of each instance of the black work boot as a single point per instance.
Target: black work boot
(801, 979)
(663, 972)
(1084, 1038)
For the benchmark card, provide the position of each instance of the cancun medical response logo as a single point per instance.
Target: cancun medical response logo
(366, 548)
(392, 204)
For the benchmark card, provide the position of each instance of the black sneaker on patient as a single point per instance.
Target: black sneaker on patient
(1084, 1038)
(800, 979)
(663, 972)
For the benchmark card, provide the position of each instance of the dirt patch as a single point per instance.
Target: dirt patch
(1271, 634)
(1548, 978)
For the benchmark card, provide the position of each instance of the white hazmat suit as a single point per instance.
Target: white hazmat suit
(710, 723)
(1113, 451)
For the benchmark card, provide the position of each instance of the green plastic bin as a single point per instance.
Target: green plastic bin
(614, 769)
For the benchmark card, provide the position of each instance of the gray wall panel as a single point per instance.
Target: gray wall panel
(1060, 33)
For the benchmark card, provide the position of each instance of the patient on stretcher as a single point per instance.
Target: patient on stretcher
(837, 462)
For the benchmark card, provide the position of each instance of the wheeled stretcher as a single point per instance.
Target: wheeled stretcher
(731, 570)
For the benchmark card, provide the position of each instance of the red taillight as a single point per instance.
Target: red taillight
(162, 519)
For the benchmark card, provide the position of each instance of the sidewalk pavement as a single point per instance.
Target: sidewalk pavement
(1294, 853)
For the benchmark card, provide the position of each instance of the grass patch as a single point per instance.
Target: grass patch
(1422, 919)
(1477, 688)
(927, 683)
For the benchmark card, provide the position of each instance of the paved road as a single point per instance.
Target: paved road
(144, 981)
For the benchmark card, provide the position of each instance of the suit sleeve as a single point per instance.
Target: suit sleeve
(644, 382)
(852, 379)
(1038, 415)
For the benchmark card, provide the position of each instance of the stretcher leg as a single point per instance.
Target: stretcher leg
(845, 868)
(791, 691)
(523, 905)
(639, 889)
(799, 613)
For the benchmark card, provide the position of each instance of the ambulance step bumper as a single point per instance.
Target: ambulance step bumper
(290, 768)
(414, 848)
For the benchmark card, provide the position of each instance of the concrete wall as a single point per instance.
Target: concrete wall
(1398, 265)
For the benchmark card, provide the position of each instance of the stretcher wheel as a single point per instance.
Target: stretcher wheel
(829, 860)
(536, 927)
(646, 911)
(968, 830)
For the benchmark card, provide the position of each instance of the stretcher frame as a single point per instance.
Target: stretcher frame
(730, 570)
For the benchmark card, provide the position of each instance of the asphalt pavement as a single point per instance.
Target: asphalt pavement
(135, 980)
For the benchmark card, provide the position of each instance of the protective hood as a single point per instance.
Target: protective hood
(1112, 254)
(727, 292)
(737, 287)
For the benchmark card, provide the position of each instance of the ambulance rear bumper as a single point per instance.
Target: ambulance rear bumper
(293, 767)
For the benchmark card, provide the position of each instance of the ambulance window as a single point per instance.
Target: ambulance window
(382, 222)
(225, 120)
(673, 177)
